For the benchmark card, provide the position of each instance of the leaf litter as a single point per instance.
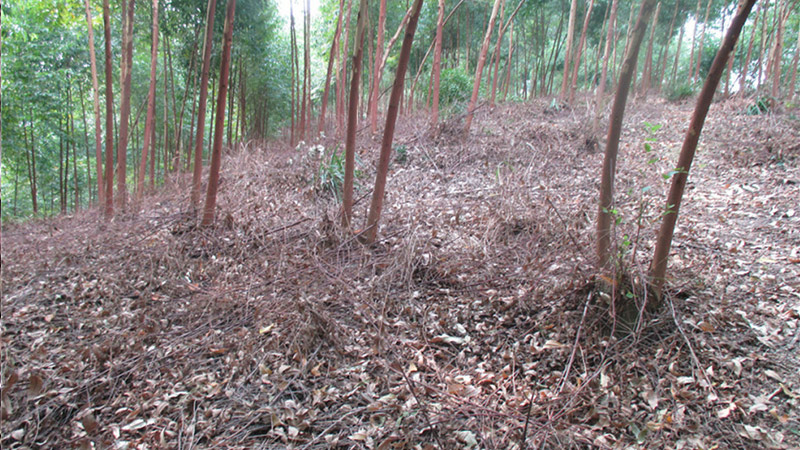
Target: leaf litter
(472, 323)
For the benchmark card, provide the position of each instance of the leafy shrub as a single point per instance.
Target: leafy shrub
(680, 91)
(330, 176)
(454, 86)
(760, 106)
(401, 154)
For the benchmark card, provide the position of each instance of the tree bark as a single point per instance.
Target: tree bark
(648, 59)
(293, 78)
(352, 118)
(201, 106)
(581, 43)
(108, 211)
(341, 79)
(126, 66)
(376, 73)
(746, 63)
(98, 139)
(494, 62)
(331, 57)
(479, 69)
(391, 118)
(573, 9)
(661, 67)
(219, 123)
(151, 104)
(694, 39)
(658, 268)
(677, 57)
(702, 41)
(614, 131)
(793, 84)
(600, 102)
(437, 66)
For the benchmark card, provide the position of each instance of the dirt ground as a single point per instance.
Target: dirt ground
(475, 321)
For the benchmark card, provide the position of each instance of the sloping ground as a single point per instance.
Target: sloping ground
(472, 322)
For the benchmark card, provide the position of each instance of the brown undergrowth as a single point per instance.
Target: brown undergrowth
(472, 322)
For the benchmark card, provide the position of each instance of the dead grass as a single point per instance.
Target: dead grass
(473, 320)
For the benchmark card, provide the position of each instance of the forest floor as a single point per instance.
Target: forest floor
(476, 320)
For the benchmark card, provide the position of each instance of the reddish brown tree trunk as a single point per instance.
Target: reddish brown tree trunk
(494, 63)
(437, 65)
(201, 106)
(702, 41)
(746, 63)
(614, 131)
(109, 172)
(573, 9)
(648, 59)
(126, 66)
(352, 119)
(479, 69)
(341, 79)
(331, 57)
(793, 83)
(376, 75)
(151, 105)
(579, 51)
(219, 123)
(600, 102)
(294, 78)
(98, 139)
(391, 118)
(658, 268)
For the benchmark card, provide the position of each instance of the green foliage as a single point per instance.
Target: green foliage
(454, 86)
(401, 154)
(680, 91)
(760, 106)
(330, 175)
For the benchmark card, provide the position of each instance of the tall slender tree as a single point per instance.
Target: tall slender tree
(581, 43)
(376, 76)
(331, 58)
(201, 105)
(573, 10)
(151, 105)
(98, 130)
(352, 118)
(669, 218)
(614, 132)
(479, 69)
(219, 123)
(378, 192)
(109, 172)
(600, 102)
(126, 66)
(437, 65)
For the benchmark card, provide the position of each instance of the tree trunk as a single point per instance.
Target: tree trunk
(331, 57)
(293, 78)
(305, 111)
(98, 140)
(581, 43)
(600, 102)
(376, 73)
(762, 43)
(746, 63)
(783, 15)
(30, 157)
(661, 67)
(437, 66)
(86, 146)
(614, 131)
(179, 123)
(164, 136)
(658, 268)
(219, 123)
(702, 42)
(479, 69)
(690, 76)
(677, 57)
(793, 84)
(109, 172)
(352, 118)
(391, 118)
(494, 63)
(648, 59)
(126, 66)
(341, 79)
(508, 61)
(201, 106)
(573, 9)
(151, 104)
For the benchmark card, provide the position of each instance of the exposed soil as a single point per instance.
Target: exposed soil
(475, 321)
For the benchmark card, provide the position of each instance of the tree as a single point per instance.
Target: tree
(352, 118)
(151, 107)
(388, 132)
(614, 131)
(573, 9)
(600, 102)
(219, 123)
(201, 106)
(578, 53)
(437, 65)
(98, 139)
(331, 58)
(669, 218)
(109, 172)
(376, 74)
(126, 67)
(479, 69)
